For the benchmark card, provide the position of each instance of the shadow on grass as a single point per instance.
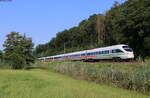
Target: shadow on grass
(35, 67)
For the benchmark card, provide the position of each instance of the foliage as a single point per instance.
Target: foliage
(3, 64)
(130, 23)
(18, 50)
(135, 78)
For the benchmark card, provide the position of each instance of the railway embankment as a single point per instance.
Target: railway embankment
(134, 76)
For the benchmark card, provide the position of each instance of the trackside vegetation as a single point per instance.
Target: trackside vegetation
(130, 76)
(46, 84)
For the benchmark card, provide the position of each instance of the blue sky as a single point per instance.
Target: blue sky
(42, 19)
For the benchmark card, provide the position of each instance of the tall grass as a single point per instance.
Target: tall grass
(44, 84)
(130, 77)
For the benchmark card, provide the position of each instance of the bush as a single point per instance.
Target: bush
(4, 65)
(16, 61)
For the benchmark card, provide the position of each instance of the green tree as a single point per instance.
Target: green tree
(18, 50)
(129, 23)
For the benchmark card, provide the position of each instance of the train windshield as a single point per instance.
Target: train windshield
(126, 48)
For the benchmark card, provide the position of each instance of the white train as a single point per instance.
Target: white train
(115, 52)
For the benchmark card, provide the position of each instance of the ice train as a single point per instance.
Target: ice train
(115, 52)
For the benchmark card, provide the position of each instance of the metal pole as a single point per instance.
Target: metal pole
(64, 48)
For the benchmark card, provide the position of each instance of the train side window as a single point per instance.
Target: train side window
(97, 53)
(117, 51)
(75, 55)
(82, 54)
(100, 52)
(91, 53)
(94, 53)
(103, 52)
(107, 52)
(88, 54)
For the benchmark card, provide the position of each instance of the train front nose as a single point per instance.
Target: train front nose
(130, 55)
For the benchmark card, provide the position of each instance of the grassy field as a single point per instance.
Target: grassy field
(44, 84)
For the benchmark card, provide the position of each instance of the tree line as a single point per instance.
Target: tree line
(127, 23)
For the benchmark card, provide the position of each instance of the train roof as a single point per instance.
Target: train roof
(107, 48)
